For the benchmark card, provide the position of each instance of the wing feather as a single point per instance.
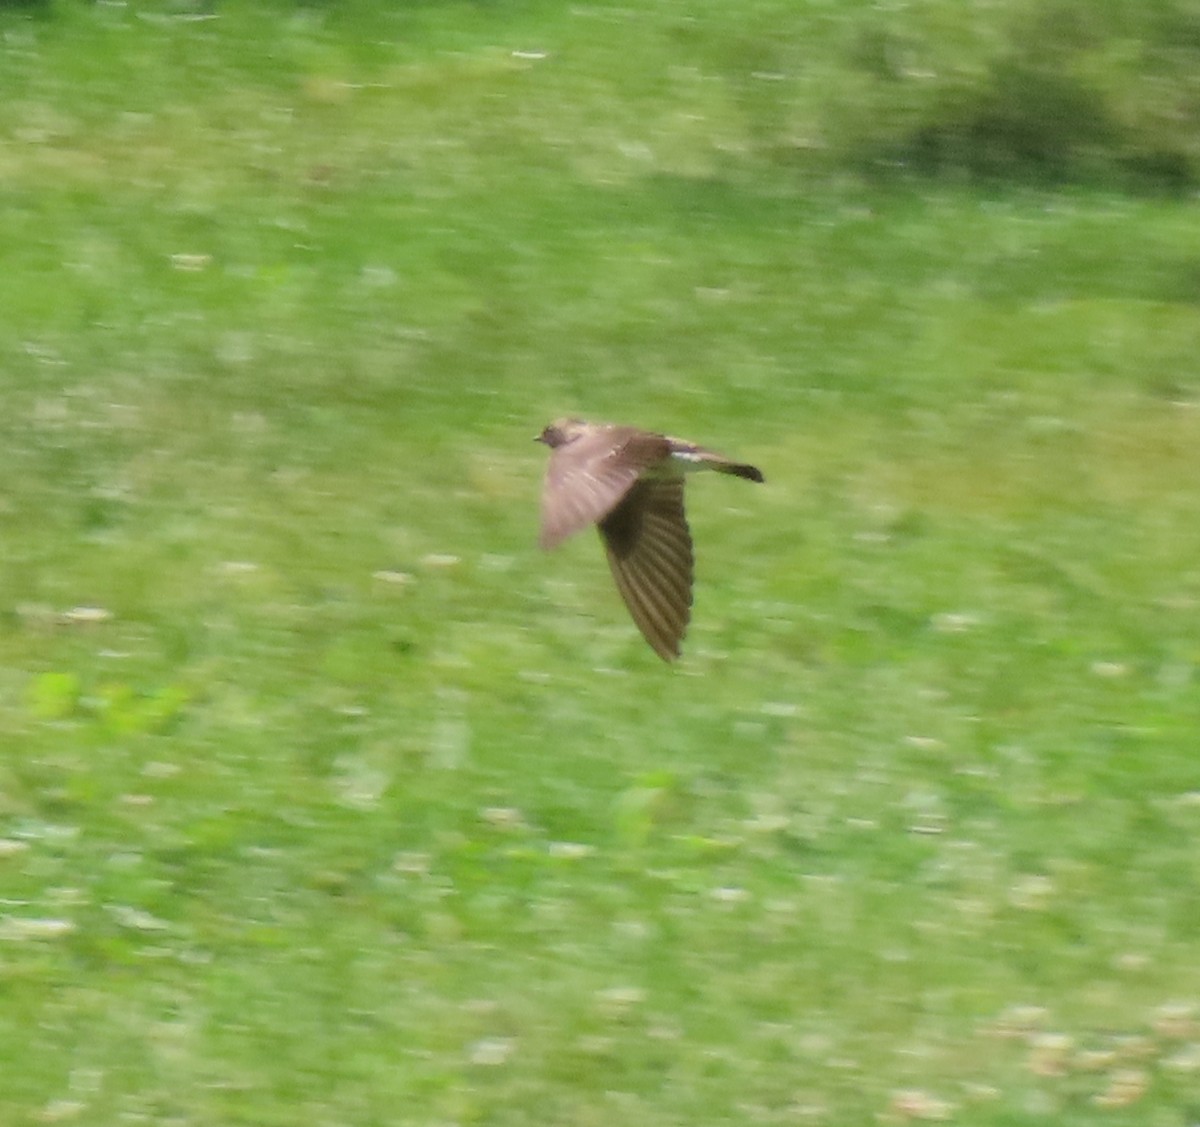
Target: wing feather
(649, 550)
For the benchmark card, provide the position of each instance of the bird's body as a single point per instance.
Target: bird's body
(629, 483)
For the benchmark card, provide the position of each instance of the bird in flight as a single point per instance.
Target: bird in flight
(629, 483)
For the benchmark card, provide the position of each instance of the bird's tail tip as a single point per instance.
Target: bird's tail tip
(743, 469)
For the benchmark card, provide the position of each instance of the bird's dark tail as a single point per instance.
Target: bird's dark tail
(739, 469)
(698, 456)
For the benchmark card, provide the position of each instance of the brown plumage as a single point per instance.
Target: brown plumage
(629, 482)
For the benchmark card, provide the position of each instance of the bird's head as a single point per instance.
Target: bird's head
(561, 431)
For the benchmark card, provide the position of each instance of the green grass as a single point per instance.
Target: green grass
(326, 798)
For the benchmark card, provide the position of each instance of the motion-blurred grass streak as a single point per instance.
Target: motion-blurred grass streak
(326, 798)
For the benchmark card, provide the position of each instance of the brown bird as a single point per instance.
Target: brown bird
(629, 482)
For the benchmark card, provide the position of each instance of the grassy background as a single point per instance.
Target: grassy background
(326, 798)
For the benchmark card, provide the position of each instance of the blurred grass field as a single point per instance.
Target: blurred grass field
(326, 798)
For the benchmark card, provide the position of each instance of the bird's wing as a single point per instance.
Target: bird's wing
(650, 552)
(587, 477)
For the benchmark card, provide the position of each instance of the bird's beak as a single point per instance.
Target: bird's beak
(539, 438)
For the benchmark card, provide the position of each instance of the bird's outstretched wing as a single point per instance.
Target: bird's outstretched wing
(587, 477)
(650, 552)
